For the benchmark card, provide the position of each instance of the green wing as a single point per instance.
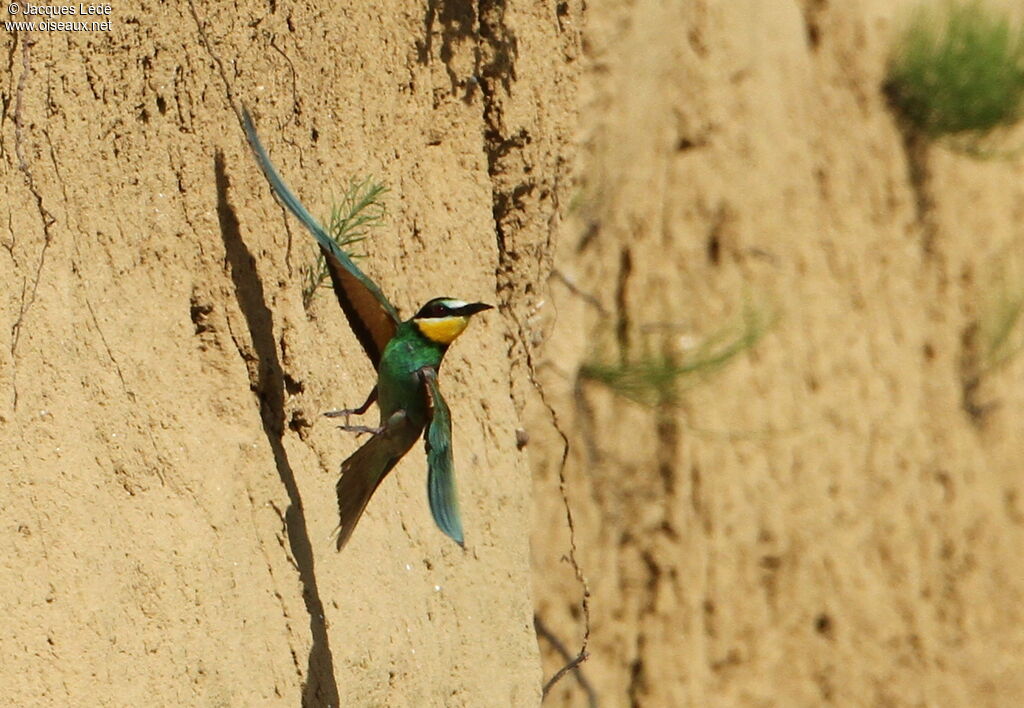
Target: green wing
(441, 478)
(372, 318)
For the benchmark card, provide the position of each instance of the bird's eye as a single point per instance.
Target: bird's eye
(434, 309)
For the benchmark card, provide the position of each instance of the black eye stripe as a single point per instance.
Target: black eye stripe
(434, 309)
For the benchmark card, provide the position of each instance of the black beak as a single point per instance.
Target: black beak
(473, 308)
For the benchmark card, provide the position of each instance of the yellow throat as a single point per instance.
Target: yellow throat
(442, 330)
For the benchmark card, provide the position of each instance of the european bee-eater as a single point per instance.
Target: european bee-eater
(407, 356)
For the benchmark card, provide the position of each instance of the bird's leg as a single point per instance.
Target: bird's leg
(362, 429)
(346, 412)
(357, 411)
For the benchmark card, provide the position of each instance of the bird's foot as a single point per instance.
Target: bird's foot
(362, 429)
(346, 412)
(343, 413)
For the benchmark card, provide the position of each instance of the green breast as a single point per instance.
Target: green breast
(398, 385)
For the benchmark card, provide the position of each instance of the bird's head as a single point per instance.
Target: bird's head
(444, 318)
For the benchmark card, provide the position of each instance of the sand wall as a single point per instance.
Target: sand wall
(168, 481)
(833, 518)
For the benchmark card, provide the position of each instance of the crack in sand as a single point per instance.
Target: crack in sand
(56, 167)
(573, 663)
(47, 219)
(204, 40)
(497, 43)
(106, 345)
(178, 170)
(296, 109)
(289, 631)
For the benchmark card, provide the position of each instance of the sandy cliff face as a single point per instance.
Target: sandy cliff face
(832, 518)
(835, 517)
(167, 479)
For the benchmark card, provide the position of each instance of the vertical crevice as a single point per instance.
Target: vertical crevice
(919, 169)
(622, 304)
(266, 380)
(514, 183)
(667, 432)
(495, 69)
(639, 681)
(971, 375)
(28, 291)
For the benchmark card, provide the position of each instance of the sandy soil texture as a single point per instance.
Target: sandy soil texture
(835, 517)
(832, 518)
(168, 481)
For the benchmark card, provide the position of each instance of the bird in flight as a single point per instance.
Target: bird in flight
(407, 356)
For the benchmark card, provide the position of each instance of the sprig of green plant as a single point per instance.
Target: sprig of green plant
(957, 69)
(654, 377)
(1001, 325)
(360, 209)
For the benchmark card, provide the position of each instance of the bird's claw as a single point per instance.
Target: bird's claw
(362, 429)
(341, 413)
(345, 413)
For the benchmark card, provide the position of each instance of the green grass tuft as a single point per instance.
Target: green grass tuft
(958, 70)
(1001, 325)
(655, 378)
(361, 209)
